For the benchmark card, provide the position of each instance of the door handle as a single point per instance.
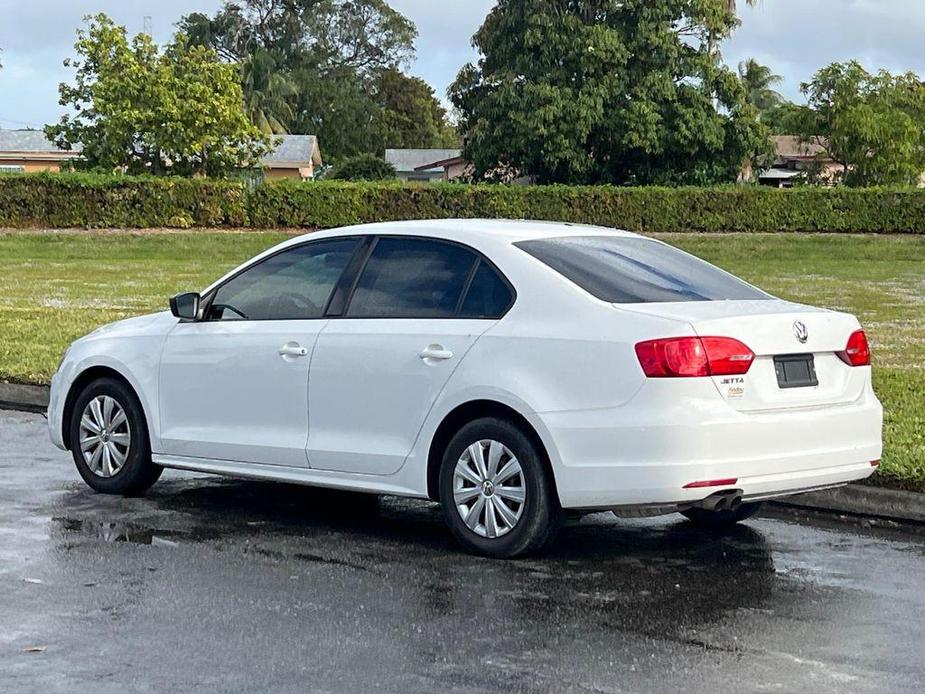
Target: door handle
(293, 349)
(436, 352)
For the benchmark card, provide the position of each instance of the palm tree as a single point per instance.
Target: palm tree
(713, 40)
(267, 93)
(758, 80)
(730, 5)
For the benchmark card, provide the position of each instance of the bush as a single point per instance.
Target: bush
(91, 200)
(82, 200)
(731, 208)
(363, 167)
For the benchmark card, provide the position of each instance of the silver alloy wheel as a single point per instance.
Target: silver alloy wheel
(105, 436)
(489, 489)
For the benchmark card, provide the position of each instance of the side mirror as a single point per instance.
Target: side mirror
(185, 306)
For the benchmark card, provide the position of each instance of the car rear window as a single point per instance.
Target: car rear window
(632, 270)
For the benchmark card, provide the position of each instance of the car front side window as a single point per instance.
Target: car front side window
(292, 285)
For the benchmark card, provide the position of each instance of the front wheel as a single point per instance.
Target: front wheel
(721, 519)
(109, 439)
(497, 497)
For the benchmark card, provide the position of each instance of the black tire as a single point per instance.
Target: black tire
(541, 515)
(138, 472)
(721, 519)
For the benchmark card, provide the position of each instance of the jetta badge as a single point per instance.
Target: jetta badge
(800, 332)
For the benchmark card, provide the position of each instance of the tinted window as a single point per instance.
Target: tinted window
(631, 270)
(292, 285)
(488, 295)
(412, 278)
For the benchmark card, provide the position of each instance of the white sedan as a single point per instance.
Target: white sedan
(512, 371)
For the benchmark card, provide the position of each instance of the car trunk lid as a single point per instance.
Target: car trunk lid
(774, 329)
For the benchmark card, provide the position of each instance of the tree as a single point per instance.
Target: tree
(873, 125)
(758, 80)
(363, 167)
(142, 110)
(363, 35)
(409, 115)
(785, 118)
(267, 93)
(732, 5)
(339, 61)
(606, 91)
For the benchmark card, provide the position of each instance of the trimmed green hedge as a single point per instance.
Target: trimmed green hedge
(729, 208)
(89, 200)
(73, 200)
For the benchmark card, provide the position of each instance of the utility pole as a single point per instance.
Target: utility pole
(148, 26)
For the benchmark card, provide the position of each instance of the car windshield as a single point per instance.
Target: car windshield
(635, 270)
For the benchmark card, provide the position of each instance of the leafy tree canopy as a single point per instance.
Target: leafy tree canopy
(785, 118)
(607, 91)
(144, 110)
(871, 124)
(410, 114)
(327, 67)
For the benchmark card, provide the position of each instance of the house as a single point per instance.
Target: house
(420, 164)
(28, 151)
(454, 168)
(296, 156)
(794, 159)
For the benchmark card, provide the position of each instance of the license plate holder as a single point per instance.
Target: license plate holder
(796, 371)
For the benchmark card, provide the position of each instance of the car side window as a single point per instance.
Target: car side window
(488, 295)
(412, 278)
(292, 285)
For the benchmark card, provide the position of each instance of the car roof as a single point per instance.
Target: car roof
(485, 235)
(472, 230)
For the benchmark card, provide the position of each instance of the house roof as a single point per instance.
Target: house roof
(790, 147)
(442, 164)
(293, 151)
(408, 160)
(32, 144)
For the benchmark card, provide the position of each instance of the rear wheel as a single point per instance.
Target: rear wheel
(497, 497)
(109, 439)
(721, 519)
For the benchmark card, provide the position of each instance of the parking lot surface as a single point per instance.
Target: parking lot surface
(217, 585)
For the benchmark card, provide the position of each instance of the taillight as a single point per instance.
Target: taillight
(681, 357)
(857, 353)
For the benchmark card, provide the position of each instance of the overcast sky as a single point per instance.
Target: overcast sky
(795, 37)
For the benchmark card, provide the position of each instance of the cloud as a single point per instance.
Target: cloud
(794, 37)
(797, 38)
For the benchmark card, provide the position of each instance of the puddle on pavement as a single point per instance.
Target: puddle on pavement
(106, 531)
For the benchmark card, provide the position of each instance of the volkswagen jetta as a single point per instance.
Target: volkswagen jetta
(512, 371)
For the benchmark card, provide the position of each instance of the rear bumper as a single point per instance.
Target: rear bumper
(646, 452)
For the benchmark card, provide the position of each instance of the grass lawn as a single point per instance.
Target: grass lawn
(55, 287)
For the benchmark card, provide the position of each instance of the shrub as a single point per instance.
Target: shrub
(91, 200)
(83, 200)
(363, 167)
(730, 208)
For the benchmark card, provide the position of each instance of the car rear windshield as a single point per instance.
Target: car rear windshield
(633, 270)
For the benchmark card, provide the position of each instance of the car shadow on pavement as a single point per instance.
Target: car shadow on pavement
(654, 577)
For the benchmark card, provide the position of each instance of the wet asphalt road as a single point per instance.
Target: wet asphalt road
(230, 586)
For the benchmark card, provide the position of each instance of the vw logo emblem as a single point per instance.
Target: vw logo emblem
(800, 332)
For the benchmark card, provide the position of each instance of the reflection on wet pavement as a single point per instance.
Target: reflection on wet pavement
(225, 585)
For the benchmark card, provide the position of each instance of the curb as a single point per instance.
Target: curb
(15, 396)
(863, 500)
(855, 499)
